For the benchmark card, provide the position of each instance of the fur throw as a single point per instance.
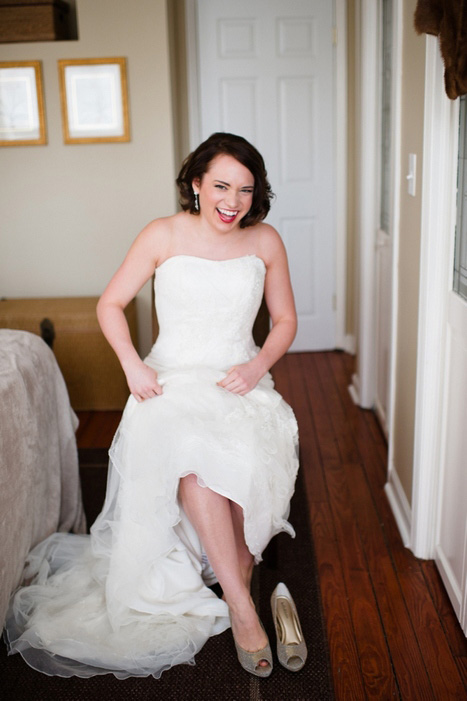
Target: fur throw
(448, 20)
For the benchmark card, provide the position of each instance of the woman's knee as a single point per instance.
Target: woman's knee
(189, 479)
(187, 485)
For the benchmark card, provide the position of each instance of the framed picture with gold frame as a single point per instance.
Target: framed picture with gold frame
(94, 102)
(22, 120)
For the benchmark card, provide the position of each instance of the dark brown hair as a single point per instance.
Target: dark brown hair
(197, 164)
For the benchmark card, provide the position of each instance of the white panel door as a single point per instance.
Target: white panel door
(451, 542)
(266, 72)
(451, 546)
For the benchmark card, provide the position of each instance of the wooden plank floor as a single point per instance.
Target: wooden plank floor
(391, 628)
(392, 631)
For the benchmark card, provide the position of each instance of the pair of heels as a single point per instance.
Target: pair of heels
(291, 647)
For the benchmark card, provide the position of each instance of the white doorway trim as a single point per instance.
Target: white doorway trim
(396, 197)
(394, 490)
(340, 135)
(363, 388)
(368, 199)
(343, 341)
(438, 220)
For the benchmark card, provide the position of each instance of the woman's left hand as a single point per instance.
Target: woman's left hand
(241, 379)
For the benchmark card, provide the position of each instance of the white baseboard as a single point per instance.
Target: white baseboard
(381, 414)
(399, 505)
(348, 344)
(354, 390)
(450, 582)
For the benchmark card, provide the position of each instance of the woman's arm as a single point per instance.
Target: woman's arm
(135, 271)
(280, 302)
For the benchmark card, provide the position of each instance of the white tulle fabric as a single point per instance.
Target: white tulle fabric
(132, 599)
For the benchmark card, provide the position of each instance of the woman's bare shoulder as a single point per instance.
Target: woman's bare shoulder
(158, 235)
(163, 226)
(269, 241)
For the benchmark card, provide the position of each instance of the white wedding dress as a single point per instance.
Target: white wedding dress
(131, 598)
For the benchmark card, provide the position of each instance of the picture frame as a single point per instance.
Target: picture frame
(22, 116)
(94, 100)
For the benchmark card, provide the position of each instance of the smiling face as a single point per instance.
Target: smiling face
(225, 192)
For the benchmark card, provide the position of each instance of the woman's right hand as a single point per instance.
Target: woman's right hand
(142, 381)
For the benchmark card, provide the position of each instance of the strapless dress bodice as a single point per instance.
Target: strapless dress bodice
(206, 310)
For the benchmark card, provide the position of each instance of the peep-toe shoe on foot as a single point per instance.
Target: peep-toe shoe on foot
(291, 647)
(250, 661)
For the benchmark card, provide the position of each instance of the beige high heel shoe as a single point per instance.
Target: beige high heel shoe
(250, 661)
(291, 647)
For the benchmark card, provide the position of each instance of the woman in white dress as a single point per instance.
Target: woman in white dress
(203, 465)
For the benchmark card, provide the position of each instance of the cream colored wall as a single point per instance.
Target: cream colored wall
(413, 81)
(70, 212)
(179, 78)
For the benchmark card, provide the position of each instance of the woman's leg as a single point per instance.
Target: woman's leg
(213, 518)
(245, 558)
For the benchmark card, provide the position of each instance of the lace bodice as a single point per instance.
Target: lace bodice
(206, 310)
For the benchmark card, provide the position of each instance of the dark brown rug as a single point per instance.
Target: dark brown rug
(217, 675)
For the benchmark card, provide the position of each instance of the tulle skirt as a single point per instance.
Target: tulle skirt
(132, 598)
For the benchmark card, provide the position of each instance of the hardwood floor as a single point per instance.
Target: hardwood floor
(391, 628)
(96, 428)
(392, 631)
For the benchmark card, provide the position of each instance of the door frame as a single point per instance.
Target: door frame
(363, 387)
(440, 146)
(343, 340)
(367, 45)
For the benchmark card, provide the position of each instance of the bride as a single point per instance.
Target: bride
(203, 465)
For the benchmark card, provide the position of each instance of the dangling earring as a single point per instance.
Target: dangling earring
(196, 201)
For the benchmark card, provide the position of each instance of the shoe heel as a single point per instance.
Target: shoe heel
(291, 647)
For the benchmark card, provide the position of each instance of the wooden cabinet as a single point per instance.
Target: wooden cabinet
(92, 373)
